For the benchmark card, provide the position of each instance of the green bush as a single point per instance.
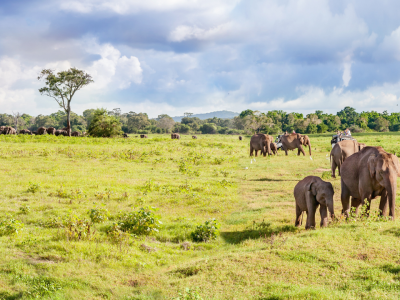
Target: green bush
(141, 222)
(208, 128)
(10, 226)
(98, 215)
(206, 232)
(104, 125)
(33, 187)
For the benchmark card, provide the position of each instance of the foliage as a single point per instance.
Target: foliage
(77, 228)
(208, 128)
(10, 226)
(99, 215)
(33, 187)
(104, 125)
(189, 294)
(207, 231)
(141, 222)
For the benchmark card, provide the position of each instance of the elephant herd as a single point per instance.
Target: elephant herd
(366, 172)
(40, 131)
(265, 143)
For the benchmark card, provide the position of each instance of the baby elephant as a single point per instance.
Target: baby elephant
(309, 193)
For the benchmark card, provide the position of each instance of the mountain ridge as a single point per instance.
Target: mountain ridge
(223, 114)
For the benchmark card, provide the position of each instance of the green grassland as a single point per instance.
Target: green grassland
(259, 254)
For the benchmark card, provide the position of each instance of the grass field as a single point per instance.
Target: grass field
(259, 254)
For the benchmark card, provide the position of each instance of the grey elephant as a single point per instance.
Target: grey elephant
(194, 137)
(175, 136)
(42, 130)
(341, 151)
(310, 193)
(143, 136)
(274, 148)
(240, 138)
(75, 133)
(261, 142)
(51, 130)
(367, 174)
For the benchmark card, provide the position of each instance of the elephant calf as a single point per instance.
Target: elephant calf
(309, 193)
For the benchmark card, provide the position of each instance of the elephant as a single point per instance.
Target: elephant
(261, 142)
(274, 148)
(293, 141)
(341, 151)
(194, 137)
(25, 131)
(309, 193)
(2, 128)
(240, 138)
(42, 130)
(124, 135)
(367, 174)
(9, 130)
(75, 133)
(306, 142)
(51, 130)
(143, 136)
(61, 132)
(175, 136)
(34, 132)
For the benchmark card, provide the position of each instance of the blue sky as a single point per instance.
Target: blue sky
(174, 56)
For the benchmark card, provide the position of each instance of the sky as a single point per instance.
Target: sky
(176, 56)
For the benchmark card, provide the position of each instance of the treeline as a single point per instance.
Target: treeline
(271, 122)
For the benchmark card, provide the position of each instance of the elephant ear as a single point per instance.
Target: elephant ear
(371, 165)
(311, 188)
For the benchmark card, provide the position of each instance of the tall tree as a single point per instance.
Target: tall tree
(63, 86)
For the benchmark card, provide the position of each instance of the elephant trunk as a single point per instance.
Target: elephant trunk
(309, 147)
(391, 197)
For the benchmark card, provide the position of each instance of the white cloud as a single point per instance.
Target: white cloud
(112, 70)
(347, 71)
(183, 32)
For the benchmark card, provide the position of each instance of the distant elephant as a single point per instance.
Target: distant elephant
(2, 128)
(341, 151)
(25, 131)
(9, 130)
(261, 142)
(75, 133)
(274, 148)
(294, 141)
(175, 136)
(51, 130)
(194, 137)
(61, 132)
(306, 142)
(124, 135)
(42, 130)
(34, 132)
(143, 136)
(367, 174)
(240, 138)
(309, 193)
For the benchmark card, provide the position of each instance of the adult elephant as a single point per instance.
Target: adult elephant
(75, 133)
(261, 142)
(367, 174)
(274, 148)
(341, 151)
(51, 130)
(9, 130)
(42, 130)
(25, 131)
(175, 136)
(294, 141)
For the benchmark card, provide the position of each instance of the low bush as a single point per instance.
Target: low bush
(141, 222)
(207, 231)
(10, 226)
(98, 215)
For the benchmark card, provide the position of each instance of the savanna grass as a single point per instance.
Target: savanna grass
(71, 194)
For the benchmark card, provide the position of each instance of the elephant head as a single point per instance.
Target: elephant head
(323, 192)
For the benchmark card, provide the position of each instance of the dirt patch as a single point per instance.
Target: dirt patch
(321, 170)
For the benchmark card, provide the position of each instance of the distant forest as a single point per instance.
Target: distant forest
(271, 122)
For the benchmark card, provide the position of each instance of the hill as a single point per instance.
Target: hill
(223, 114)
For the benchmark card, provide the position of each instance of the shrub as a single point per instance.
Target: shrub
(78, 229)
(24, 209)
(33, 187)
(104, 125)
(141, 222)
(98, 215)
(206, 232)
(10, 226)
(208, 128)
(189, 295)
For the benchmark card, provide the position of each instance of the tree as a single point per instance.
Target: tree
(88, 115)
(63, 86)
(166, 123)
(245, 113)
(208, 128)
(104, 125)
(254, 121)
(137, 121)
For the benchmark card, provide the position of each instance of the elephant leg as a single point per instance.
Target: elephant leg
(333, 167)
(302, 150)
(285, 151)
(323, 210)
(339, 165)
(356, 202)
(256, 151)
(383, 204)
(251, 150)
(298, 216)
(345, 198)
(312, 206)
(298, 151)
